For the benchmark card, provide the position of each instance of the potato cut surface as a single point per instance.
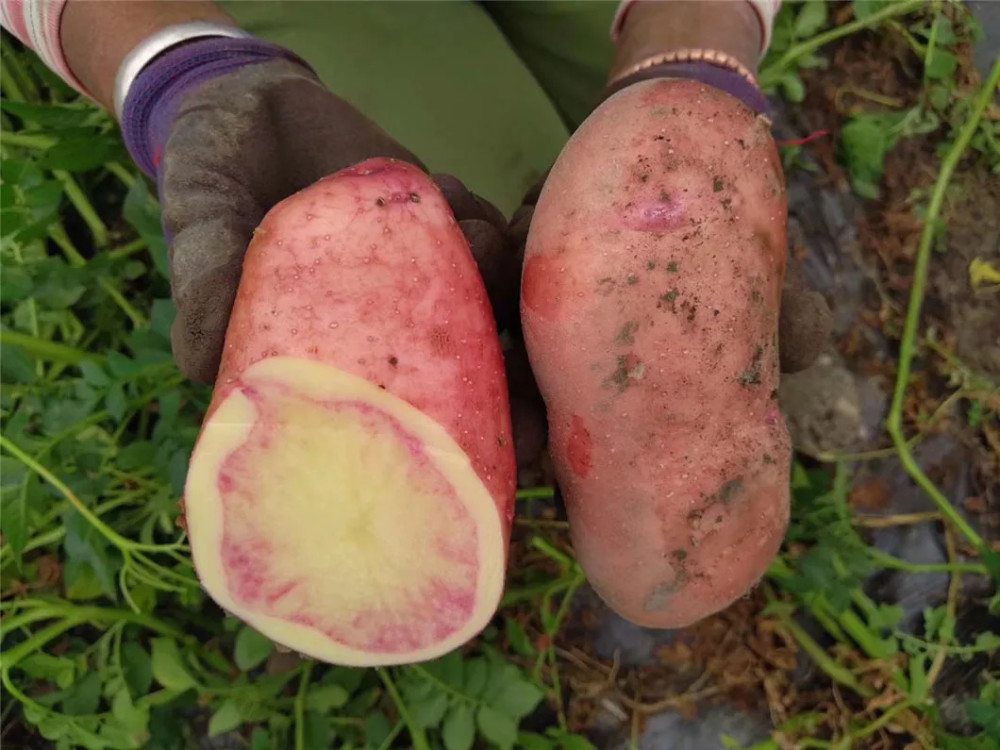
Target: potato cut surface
(340, 521)
(351, 492)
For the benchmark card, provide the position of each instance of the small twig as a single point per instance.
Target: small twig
(677, 701)
(900, 519)
(633, 738)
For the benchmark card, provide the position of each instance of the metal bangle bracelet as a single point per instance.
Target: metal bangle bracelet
(158, 42)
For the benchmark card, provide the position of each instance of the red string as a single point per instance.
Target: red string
(808, 139)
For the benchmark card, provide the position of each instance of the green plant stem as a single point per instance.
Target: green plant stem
(532, 592)
(54, 535)
(907, 345)
(137, 318)
(848, 741)
(119, 171)
(549, 551)
(895, 563)
(27, 140)
(127, 249)
(77, 616)
(57, 233)
(536, 493)
(50, 351)
(416, 733)
(17, 83)
(83, 207)
(931, 47)
(389, 738)
(769, 76)
(300, 706)
(112, 536)
(833, 669)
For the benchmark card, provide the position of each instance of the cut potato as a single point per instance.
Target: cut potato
(351, 490)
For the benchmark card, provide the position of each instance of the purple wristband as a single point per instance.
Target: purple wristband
(712, 75)
(156, 93)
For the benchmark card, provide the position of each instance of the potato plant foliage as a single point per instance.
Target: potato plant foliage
(108, 641)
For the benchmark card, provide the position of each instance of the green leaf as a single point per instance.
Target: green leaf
(325, 698)
(866, 141)
(988, 642)
(985, 715)
(252, 649)
(377, 728)
(79, 153)
(475, 677)
(865, 8)
(518, 699)
(450, 669)
(918, 677)
(49, 116)
(992, 561)
(115, 402)
(137, 669)
(318, 733)
(459, 728)
(810, 19)
(134, 719)
(886, 616)
(260, 739)
(14, 520)
(499, 729)
(225, 719)
(136, 455)
(42, 666)
(15, 284)
(85, 696)
(143, 214)
(517, 638)
(532, 741)
(941, 65)
(87, 549)
(16, 366)
(162, 316)
(570, 741)
(94, 374)
(168, 667)
(795, 90)
(429, 711)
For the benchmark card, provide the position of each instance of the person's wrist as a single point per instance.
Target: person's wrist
(157, 91)
(717, 44)
(658, 27)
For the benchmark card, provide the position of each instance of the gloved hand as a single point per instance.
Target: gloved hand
(805, 320)
(231, 127)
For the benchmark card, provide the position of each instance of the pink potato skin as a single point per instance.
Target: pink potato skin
(367, 270)
(650, 298)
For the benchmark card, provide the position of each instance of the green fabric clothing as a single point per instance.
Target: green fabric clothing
(488, 92)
